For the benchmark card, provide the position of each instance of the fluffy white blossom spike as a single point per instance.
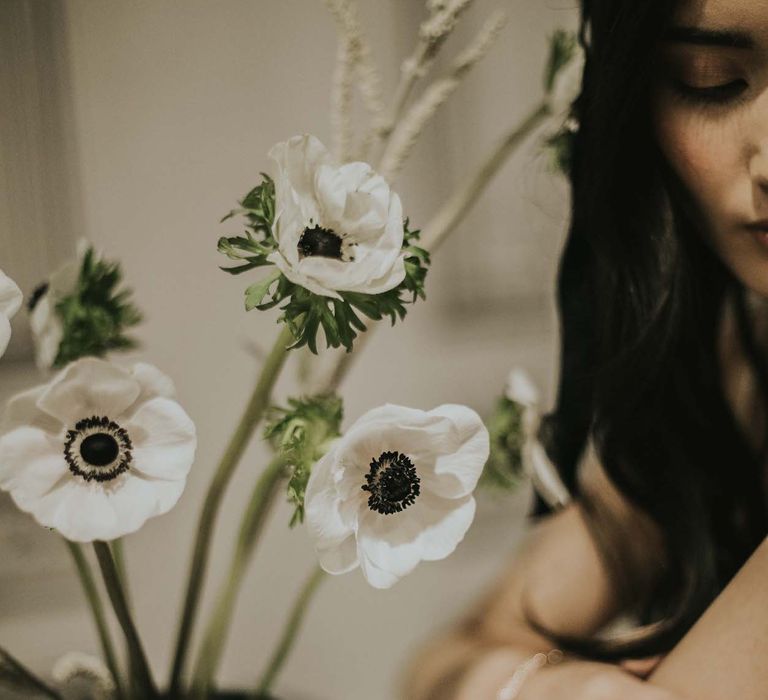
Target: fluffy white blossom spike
(98, 450)
(77, 666)
(10, 303)
(396, 489)
(338, 227)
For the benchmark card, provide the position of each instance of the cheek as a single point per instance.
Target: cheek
(702, 154)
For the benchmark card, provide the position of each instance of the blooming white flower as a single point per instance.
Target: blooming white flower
(10, 302)
(536, 464)
(338, 227)
(98, 450)
(396, 489)
(46, 326)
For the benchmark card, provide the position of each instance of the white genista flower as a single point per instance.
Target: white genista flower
(98, 450)
(536, 464)
(396, 489)
(10, 303)
(47, 330)
(338, 227)
(567, 85)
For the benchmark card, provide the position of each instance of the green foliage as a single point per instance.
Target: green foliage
(95, 314)
(303, 311)
(302, 433)
(560, 147)
(562, 46)
(504, 468)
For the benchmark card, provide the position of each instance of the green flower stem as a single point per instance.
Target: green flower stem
(289, 633)
(448, 217)
(14, 673)
(249, 420)
(119, 556)
(97, 609)
(252, 523)
(139, 664)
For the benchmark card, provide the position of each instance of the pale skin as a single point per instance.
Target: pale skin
(719, 151)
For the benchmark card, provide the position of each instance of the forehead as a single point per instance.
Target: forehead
(746, 14)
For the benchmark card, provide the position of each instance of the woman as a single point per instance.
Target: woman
(659, 429)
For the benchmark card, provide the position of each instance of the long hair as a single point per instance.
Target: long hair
(640, 297)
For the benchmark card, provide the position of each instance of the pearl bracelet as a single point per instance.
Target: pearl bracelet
(512, 688)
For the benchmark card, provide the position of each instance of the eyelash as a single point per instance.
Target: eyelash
(730, 93)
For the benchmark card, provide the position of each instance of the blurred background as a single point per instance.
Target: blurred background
(138, 125)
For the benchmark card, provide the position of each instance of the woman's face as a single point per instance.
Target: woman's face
(710, 110)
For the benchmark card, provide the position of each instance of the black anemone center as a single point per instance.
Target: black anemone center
(392, 482)
(99, 449)
(320, 241)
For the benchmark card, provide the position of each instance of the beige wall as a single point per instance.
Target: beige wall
(176, 104)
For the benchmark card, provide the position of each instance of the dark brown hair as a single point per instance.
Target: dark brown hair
(640, 297)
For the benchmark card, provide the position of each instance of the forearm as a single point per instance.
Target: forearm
(723, 655)
(465, 667)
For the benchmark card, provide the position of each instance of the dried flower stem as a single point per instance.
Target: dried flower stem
(448, 217)
(252, 414)
(353, 57)
(408, 131)
(211, 649)
(97, 610)
(433, 33)
(341, 101)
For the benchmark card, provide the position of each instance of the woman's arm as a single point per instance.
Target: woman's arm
(724, 654)
(559, 571)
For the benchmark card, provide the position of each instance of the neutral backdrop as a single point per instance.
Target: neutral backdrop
(138, 125)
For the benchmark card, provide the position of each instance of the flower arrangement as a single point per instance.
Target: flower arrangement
(100, 447)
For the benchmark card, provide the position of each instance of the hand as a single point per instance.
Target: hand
(591, 680)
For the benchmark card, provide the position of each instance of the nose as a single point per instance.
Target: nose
(759, 173)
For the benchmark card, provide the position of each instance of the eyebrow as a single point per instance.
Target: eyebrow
(709, 37)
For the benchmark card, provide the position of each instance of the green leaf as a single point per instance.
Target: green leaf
(95, 314)
(258, 290)
(301, 433)
(504, 468)
(562, 46)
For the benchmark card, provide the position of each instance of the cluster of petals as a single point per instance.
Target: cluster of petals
(97, 450)
(396, 489)
(339, 227)
(10, 302)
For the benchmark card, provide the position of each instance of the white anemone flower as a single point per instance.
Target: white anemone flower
(544, 476)
(10, 303)
(396, 489)
(98, 450)
(46, 326)
(338, 227)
